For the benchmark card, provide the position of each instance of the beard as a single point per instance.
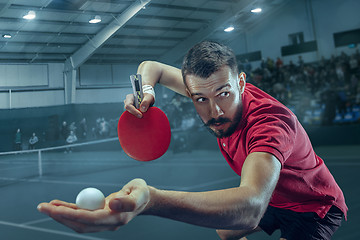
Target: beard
(224, 132)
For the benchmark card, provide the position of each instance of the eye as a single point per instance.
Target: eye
(201, 99)
(224, 94)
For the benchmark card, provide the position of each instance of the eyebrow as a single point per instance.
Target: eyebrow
(218, 89)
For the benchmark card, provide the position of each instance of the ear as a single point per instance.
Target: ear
(242, 82)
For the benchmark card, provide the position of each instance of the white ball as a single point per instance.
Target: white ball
(90, 199)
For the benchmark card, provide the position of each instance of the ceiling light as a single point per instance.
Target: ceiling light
(256, 10)
(30, 15)
(96, 19)
(6, 36)
(229, 29)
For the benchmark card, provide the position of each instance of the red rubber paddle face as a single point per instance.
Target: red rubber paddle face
(146, 138)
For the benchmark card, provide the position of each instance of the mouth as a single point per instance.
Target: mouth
(218, 126)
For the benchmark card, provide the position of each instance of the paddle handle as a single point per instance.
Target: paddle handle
(136, 83)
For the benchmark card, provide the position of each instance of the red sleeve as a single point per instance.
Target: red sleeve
(273, 135)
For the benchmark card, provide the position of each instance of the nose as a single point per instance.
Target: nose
(215, 110)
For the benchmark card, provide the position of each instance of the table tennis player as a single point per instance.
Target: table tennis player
(284, 184)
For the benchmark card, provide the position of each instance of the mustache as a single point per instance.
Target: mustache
(217, 121)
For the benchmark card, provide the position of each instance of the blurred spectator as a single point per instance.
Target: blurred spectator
(329, 99)
(323, 63)
(104, 128)
(342, 100)
(181, 139)
(113, 126)
(18, 140)
(94, 132)
(175, 110)
(72, 127)
(340, 72)
(83, 129)
(263, 63)
(300, 62)
(64, 130)
(270, 64)
(33, 141)
(357, 96)
(279, 92)
(332, 62)
(353, 63)
(343, 58)
(292, 67)
(354, 82)
(279, 63)
(71, 139)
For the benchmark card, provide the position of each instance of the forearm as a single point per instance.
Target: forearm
(238, 208)
(154, 72)
(234, 208)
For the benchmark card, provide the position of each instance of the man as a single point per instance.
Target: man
(18, 140)
(284, 184)
(64, 130)
(71, 139)
(33, 141)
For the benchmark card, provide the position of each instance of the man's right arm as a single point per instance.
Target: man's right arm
(168, 76)
(153, 73)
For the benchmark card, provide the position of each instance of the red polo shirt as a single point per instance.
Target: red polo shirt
(305, 183)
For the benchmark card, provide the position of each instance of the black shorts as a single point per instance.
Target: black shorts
(301, 226)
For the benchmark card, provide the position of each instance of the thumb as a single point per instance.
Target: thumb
(130, 198)
(147, 101)
(122, 203)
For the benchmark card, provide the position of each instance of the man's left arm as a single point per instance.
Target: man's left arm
(258, 162)
(235, 208)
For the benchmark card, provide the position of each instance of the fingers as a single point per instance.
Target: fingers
(63, 213)
(46, 208)
(102, 222)
(129, 106)
(121, 207)
(129, 202)
(81, 220)
(137, 182)
(62, 203)
(56, 209)
(132, 198)
(122, 204)
(147, 101)
(71, 212)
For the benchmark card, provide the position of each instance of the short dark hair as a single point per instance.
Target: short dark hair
(206, 58)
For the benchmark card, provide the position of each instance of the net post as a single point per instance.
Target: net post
(40, 163)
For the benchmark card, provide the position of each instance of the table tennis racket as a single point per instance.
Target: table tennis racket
(146, 138)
